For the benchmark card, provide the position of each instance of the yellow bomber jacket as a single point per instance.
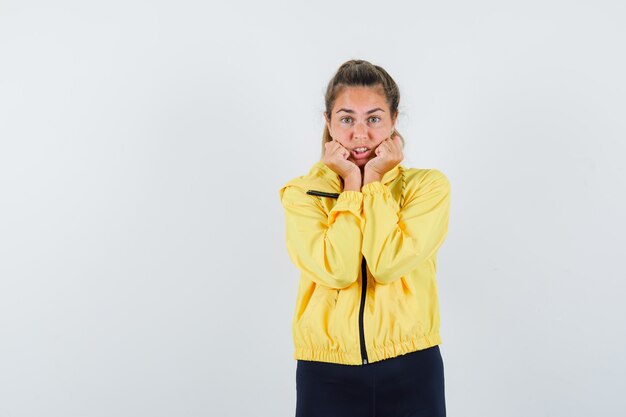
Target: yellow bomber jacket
(367, 262)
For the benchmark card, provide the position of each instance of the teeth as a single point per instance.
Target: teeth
(360, 149)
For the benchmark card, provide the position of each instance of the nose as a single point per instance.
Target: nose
(360, 131)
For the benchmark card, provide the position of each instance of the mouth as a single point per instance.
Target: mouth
(360, 153)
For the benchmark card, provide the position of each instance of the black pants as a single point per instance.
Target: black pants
(410, 385)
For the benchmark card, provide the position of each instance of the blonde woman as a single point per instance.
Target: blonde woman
(364, 232)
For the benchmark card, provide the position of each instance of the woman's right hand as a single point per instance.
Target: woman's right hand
(336, 158)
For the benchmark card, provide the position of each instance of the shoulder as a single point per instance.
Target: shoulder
(422, 180)
(424, 175)
(293, 190)
(296, 188)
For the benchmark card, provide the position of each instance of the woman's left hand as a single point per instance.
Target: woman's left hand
(388, 155)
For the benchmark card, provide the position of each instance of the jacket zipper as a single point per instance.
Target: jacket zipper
(363, 281)
(361, 310)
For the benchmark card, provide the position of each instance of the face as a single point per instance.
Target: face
(360, 119)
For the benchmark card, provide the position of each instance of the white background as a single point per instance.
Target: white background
(143, 268)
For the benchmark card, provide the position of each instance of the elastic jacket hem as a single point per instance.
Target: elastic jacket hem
(375, 354)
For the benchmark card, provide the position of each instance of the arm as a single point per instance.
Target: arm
(396, 242)
(326, 247)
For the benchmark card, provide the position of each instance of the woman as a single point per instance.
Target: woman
(364, 232)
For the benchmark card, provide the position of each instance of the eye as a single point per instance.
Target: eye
(374, 119)
(346, 119)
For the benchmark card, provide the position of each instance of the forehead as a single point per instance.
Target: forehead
(361, 98)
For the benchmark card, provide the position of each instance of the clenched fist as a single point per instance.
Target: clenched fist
(336, 158)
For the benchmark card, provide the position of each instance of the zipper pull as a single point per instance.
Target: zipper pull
(323, 193)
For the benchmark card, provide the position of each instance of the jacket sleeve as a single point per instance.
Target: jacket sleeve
(325, 247)
(397, 241)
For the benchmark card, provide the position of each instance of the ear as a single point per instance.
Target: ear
(327, 120)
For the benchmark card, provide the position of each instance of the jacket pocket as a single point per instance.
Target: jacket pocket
(322, 299)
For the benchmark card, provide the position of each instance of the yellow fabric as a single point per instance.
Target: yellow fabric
(326, 239)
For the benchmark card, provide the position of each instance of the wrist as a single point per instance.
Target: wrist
(352, 182)
(371, 176)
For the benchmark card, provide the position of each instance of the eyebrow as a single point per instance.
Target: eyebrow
(369, 112)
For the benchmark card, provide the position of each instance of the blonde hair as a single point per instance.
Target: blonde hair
(358, 72)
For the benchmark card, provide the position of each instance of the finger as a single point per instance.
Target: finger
(394, 142)
(333, 146)
(340, 150)
(336, 150)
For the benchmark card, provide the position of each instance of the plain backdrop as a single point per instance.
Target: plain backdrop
(143, 267)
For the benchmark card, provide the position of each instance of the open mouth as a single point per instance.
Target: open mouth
(360, 153)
